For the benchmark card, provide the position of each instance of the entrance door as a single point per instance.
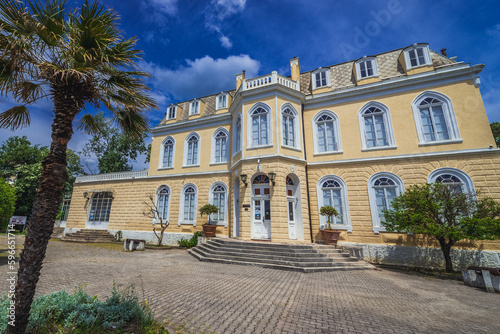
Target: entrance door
(291, 219)
(261, 208)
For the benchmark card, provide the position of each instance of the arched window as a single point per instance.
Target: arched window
(167, 154)
(332, 191)
(454, 178)
(259, 125)
(435, 119)
(376, 127)
(382, 189)
(189, 198)
(163, 202)
(219, 146)
(261, 179)
(326, 133)
(289, 129)
(218, 197)
(100, 207)
(237, 138)
(191, 150)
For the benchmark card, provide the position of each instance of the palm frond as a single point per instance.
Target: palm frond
(89, 124)
(50, 17)
(133, 123)
(15, 118)
(28, 92)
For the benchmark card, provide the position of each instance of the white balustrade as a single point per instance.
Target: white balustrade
(112, 176)
(269, 79)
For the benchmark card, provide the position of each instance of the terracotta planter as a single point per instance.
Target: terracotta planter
(330, 237)
(209, 230)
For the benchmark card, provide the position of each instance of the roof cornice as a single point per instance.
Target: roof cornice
(198, 121)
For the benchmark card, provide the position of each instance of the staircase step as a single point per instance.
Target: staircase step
(89, 236)
(267, 251)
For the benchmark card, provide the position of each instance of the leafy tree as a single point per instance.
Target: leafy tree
(444, 212)
(112, 147)
(495, 128)
(7, 203)
(74, 58)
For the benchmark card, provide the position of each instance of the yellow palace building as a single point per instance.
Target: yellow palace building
(272, 151)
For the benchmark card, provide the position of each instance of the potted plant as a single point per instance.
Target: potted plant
(209, 227)
(329, 235)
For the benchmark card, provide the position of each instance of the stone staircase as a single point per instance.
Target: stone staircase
(303, 258)
(57, 233)
(89, 235)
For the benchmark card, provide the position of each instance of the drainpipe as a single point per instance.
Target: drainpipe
(307, 177)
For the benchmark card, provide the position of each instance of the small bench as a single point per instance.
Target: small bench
(482, 277)
(134, 244)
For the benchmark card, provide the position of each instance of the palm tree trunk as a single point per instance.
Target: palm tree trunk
(45, 209)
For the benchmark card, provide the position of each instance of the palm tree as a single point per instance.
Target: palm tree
(74, 58)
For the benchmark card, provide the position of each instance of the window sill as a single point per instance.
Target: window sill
(218, 163)
(378, 148)
(189, 166)
(328, 153)
(442, 142)
(291, 148)
(186, 222)
(259, 147)
(347, 228)
(221, 223)
(165, 168)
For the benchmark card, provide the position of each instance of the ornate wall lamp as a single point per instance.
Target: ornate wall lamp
(243, 178)
(272, 177)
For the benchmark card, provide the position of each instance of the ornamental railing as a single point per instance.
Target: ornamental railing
(113, 176)
(269, 79)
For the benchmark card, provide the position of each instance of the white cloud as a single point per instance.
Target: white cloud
(225, 41)
(217, 12)
(200, 77)
(168, 7)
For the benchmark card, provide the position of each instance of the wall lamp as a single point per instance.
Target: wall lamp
(243, 178)
(272, 177)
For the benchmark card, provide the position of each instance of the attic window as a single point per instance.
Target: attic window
(366, 68)
(321, 78)
(221, 101)
(417, 55)
(194, 107)
(171, 111)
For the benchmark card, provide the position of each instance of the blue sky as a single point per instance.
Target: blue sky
(195, 48)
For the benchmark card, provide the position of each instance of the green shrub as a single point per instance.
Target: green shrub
(7, 203)
(61, 312)
(193, 242)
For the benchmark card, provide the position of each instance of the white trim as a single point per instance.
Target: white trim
(235, 136)
(211, 201)
(270, 131)
(408, 156)
(193, 124)
(256, 157)
(212, 154)
(426, 53)
(391, 143)
(327, 76)
(198, 107)
(217, 106)
(278, 138)
(181, 220)
(167, 116)
(168, 204)
(98, 224)
(296, 127)
(186, 146)
(373, 61)
(345, 203)
(468, 185)
(336, 132)
(377, 227)
(448, 112)
(162, 153)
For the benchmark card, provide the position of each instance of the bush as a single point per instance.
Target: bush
(60, 312)
(193, 242)
(7, 203)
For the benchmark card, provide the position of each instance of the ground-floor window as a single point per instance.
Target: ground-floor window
(382, 189)
(100, 207)
(332, 191)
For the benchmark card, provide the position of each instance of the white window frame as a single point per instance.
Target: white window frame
(467, 184)
(391, 143)
(214, 142)
(327, 75)
(65, 209)
(211, 201)
(345, 203)
(108, 206)
(237, 149)
(336, 132)
(168, 116)
(186, 150)
(296, 128)
(449, 116)
(399, 185)
(160, 188)
(181, 220)
(270, 133)
(194, 107)
(426, 54)
(162, 153)
(218, 105)
(365, 59)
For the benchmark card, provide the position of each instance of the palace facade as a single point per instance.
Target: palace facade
(272, 151)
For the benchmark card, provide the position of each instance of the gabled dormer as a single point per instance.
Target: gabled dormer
(416, 59)
(222, 102)
(173, 111)
(196, 108)
(320, 79)
(366, 70)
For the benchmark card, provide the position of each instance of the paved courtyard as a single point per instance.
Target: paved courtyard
(243, 299)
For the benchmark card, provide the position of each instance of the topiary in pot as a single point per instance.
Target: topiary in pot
(328, 211)
(209, 227)
(330, 237)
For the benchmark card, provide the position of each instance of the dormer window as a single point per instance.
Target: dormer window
(171, 112)
(321, 78)
(366, 68)
(417, 55)
(221, 101)
(194, 107)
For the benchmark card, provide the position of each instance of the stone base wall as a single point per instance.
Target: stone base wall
(421, 257)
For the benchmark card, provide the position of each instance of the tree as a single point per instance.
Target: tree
(446, 213)
(208, 209)
(112, 147)
(7, 203)
(328, 211)
(74, 58)
(154, 212)
(495, 129)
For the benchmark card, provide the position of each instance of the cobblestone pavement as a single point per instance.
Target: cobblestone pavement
(246, 299)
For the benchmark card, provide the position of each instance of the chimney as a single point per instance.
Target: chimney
(443, 52)
(295, 69)
(239, 79)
